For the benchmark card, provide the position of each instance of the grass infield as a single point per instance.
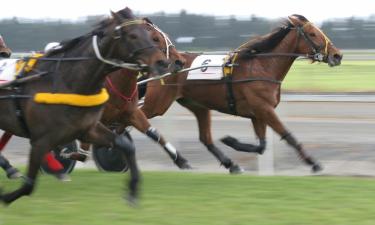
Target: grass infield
(183, 198)
(350, 76)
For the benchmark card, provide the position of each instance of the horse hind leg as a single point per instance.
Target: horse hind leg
(260, 131)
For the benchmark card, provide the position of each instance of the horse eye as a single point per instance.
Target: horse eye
(312, 35)
(155, 39)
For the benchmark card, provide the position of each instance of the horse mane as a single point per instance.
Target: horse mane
(99, 30)
(268, 42)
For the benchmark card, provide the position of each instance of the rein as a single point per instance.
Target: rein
(248, 80)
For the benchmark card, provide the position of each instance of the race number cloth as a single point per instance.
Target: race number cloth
(208, 73)
(8, 70)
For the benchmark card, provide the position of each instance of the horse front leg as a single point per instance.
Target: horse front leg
(38, 150)
(204, 123)
(269, 115)
(140, 122)
(259, 129)
(102, 136)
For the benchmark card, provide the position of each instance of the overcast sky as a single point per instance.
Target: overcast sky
(314, 10)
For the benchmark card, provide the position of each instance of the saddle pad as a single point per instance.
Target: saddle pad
(209, 73)
(7, 70)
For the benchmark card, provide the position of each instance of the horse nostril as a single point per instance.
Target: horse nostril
(337, 56)
(179, 63)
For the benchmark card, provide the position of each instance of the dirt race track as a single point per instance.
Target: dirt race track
(339, 134)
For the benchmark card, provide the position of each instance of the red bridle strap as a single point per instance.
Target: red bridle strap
(113, 89)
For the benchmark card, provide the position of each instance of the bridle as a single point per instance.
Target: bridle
(316, 49)
(118, 35)
(168, 42)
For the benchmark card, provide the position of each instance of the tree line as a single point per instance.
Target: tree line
(187, 31)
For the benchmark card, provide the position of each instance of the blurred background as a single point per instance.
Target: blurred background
(330, 110)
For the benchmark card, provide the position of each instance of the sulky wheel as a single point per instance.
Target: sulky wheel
(110, 160)
(67, 163)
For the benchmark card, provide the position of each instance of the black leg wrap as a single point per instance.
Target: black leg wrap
(298, 146)
(153, 134)
(124, 143)
(227, 162)
(242, 147)
(291, 140)
(4, 163)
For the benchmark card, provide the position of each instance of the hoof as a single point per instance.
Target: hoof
(236, 169)
(316, 168)
(5, 199)
(132, 200)
(183, 164)
(63, 177)
(13, 173)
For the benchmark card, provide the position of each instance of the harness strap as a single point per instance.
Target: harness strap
(19, 112)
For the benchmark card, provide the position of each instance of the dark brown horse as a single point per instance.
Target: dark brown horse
(122, 109)
(65, 99)
(251, 88)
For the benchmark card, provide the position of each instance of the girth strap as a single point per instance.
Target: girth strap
(230, 95)
(19, 112)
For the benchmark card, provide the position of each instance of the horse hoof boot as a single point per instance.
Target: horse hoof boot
(236, 169)
(183, 164)
(13, 173)
(63, 177)
(316, 168)
(131, 200)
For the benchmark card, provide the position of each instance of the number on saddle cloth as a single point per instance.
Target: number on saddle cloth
(209, 73)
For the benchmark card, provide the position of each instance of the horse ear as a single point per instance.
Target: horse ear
(116, 17)
(294, 20)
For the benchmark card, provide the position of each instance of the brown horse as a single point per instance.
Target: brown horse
(251, 88)
(71, 78)
(122, 109)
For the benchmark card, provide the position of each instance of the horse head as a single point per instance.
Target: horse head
(5, 52)
(132, 42)
(163, 41)
(316, 43)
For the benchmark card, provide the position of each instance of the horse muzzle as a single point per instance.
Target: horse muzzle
(334, 59)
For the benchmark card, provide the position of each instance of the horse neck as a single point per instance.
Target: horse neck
(276, 67)
(90, 79)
